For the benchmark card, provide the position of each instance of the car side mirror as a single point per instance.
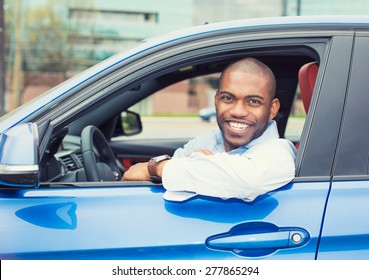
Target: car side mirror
(131, 123)
(19, 156)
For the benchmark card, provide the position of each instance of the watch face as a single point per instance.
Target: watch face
(161, 158)
(152, 166)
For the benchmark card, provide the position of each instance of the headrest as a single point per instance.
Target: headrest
(307, 78)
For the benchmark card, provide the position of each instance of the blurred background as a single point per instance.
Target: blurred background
(44, 42)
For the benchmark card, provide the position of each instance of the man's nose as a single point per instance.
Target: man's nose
(239, 109)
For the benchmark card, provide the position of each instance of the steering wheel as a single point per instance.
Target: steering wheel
(98, 158)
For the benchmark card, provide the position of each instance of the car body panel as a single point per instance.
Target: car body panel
(102, 222)
(345, 233)
(345, 229)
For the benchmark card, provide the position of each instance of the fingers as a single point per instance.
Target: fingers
(137, 172)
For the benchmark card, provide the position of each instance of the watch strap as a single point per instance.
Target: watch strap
(153, 163)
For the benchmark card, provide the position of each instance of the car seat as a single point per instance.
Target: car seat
(307, 78)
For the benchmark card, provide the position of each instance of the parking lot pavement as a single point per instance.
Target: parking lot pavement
(177, 127)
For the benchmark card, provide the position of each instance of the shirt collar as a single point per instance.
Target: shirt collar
(271, 132)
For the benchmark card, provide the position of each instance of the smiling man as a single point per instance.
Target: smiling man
(242, 159)
(245, 102)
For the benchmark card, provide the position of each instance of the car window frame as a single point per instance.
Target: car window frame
(319, 139)
(315, 46)
(352, 156)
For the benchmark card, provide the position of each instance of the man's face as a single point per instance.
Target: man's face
(243, 106)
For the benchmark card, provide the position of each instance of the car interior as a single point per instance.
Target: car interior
(64, 164)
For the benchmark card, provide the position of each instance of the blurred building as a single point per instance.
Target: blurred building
(63, 37)
(220, 10)
(98, 29)
(107, 27)
(326, 7)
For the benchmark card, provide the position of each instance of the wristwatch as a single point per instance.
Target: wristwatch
(153, 163)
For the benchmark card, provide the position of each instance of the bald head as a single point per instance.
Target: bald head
(253, 66)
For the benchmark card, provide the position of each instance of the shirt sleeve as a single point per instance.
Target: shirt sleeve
(185, 151)
(264, 168)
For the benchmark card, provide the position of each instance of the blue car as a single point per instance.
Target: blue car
(62, 155)
(207, 113)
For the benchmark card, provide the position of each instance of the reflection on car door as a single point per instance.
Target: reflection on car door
(137, 223)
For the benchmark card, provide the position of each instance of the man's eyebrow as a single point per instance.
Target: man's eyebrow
(255, 96)
(226, 92)
(247, 97)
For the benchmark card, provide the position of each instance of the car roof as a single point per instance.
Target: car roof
(257, 23)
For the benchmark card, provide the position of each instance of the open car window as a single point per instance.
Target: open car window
(182, 110)
(174, 99)
(186, 109)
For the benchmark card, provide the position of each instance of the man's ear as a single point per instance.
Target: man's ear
(274, 108)
(216, 98)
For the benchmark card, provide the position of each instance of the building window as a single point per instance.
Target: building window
(86, 15)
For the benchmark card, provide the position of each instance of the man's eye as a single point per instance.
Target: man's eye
(254, 101)
(226, 98)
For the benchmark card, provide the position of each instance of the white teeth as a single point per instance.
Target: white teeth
(238, 126)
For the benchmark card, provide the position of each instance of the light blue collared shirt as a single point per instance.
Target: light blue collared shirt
(264, 164)
(214, 142)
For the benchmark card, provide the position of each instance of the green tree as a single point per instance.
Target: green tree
(46, 48)
(37, 41)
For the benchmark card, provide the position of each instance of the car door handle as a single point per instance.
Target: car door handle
(258, 238)
(281, 239)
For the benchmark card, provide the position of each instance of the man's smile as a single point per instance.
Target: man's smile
(238, 125)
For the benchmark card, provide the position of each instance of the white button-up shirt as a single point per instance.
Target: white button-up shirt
(264, 164)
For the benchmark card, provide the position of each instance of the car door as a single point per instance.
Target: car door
(345, 233)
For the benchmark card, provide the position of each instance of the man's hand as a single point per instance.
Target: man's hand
(137, 172)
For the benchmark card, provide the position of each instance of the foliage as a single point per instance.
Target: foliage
(46, 40)
(45, 34)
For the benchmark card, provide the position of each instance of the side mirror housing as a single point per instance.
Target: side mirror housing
(19, 156)
(131, 123)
